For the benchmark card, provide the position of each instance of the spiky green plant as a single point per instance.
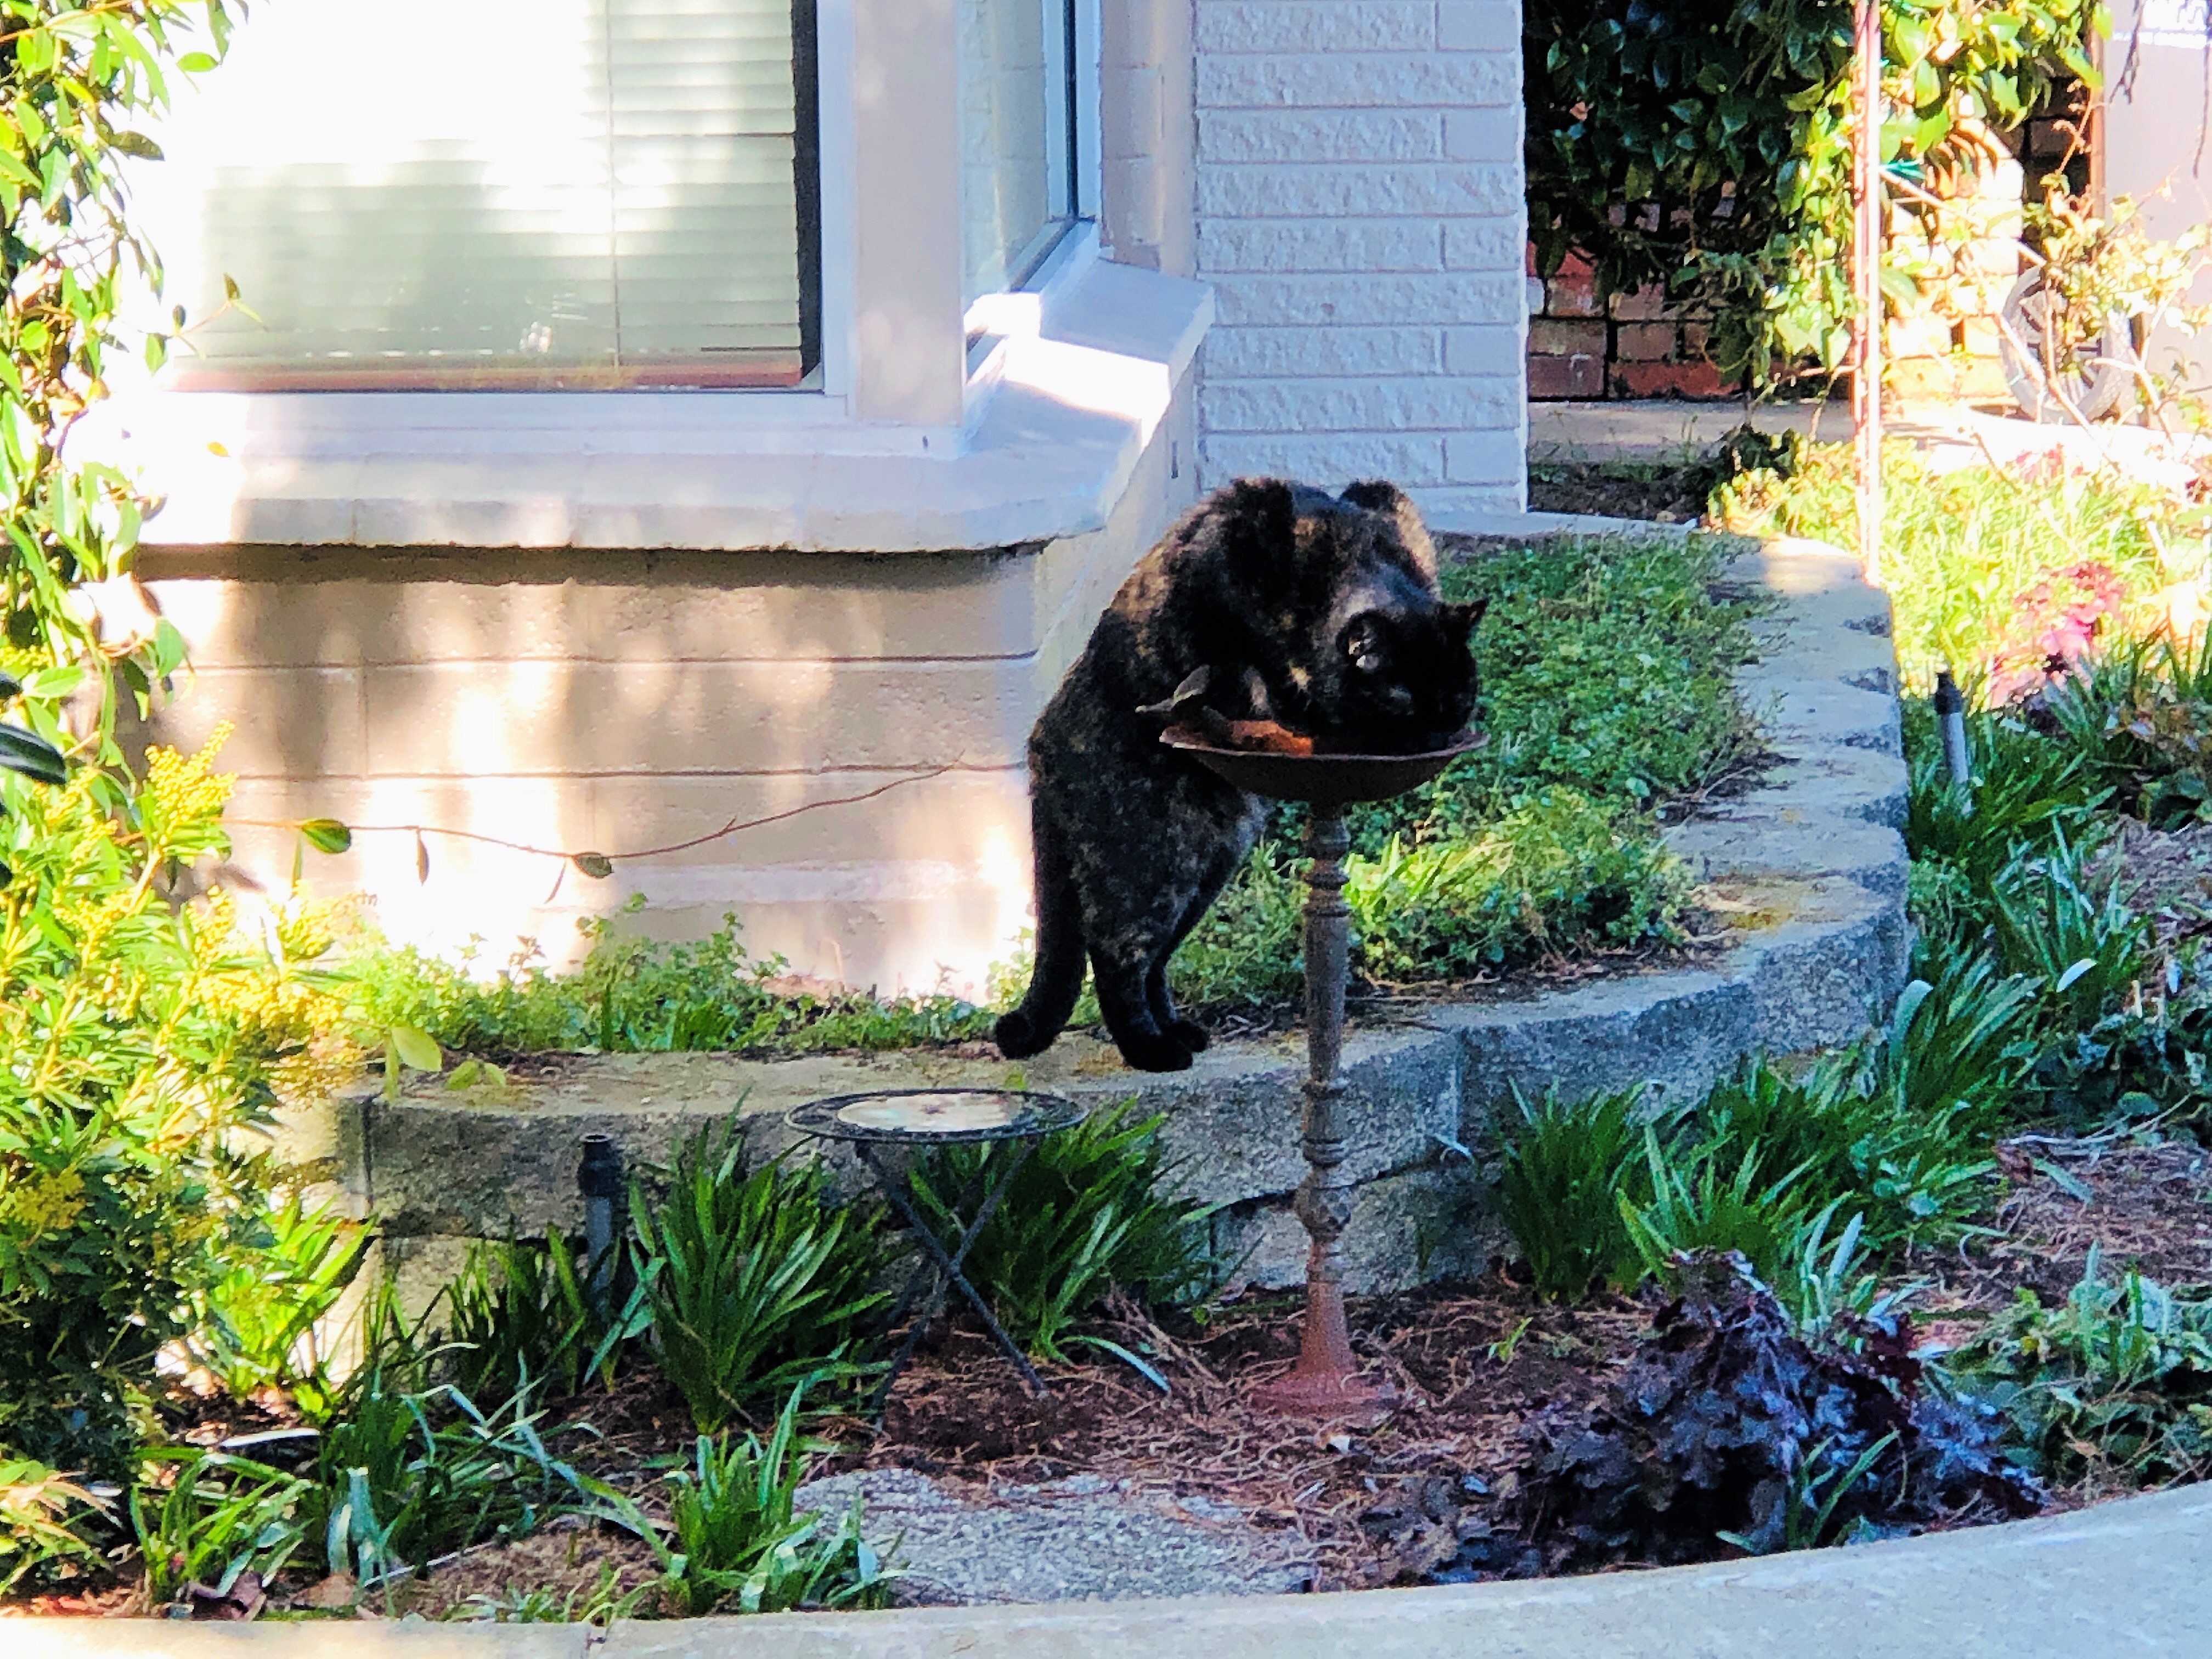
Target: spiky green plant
(754, 1281)
(1566, 1165)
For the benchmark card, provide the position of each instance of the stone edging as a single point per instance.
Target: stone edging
(1809, 869)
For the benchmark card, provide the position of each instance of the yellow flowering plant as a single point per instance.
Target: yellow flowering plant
(143, 1040)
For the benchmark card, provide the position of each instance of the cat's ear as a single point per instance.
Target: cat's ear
(1380, 496)
(1259, 524)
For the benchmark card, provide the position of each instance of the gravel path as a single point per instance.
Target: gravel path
(1084, 1539)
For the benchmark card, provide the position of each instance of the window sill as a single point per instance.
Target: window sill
(1049, 451)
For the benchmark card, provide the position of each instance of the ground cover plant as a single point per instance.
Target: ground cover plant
(1993, 572)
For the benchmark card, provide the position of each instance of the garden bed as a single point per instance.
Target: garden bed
(1802, 879)
(1258, 1505)
(1610, 709)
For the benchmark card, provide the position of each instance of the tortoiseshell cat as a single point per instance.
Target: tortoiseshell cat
(1319, 612)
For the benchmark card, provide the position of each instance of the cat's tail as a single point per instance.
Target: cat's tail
(1057, 980)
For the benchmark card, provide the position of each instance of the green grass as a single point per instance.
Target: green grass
(638, 996)
(1605, 694)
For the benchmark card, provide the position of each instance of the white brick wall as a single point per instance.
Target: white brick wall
(1360, 214)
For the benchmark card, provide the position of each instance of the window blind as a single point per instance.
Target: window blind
(497, 194)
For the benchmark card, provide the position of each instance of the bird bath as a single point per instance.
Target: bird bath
(1326, 1381)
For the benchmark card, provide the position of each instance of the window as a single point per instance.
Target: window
(1022, 151)
(522, 194)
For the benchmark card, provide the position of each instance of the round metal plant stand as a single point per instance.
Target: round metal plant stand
(883, 1126)
(1326, 1381)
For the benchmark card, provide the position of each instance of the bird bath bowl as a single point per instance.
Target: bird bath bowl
(1326, 1381)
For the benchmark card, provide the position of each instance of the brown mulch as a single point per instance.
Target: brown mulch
(2166, 875)
(2146, 1206)
(573, 1569)
(1472, 1363)
(1668, 495)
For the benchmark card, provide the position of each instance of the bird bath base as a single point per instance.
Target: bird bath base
(1326, 1381)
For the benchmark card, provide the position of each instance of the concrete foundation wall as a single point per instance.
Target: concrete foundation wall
(572, 700)
(1361, 217)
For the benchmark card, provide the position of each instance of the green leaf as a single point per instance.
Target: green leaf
(416, 1048)
(138, 144)
(196, 63)
(33, 757)
(327, 835)
(598, 865)
(169, 647)
(52, 685)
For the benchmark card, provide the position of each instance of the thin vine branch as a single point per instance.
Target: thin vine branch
(597, 864)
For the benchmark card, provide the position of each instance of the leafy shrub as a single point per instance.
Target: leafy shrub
(2027, 791)
(2120, 1371)
(741, 1544)
(1566, 1167)
(637, 996)
(2139, 715)
(2066, 927)
(755, 1282)
(1892, 1135)
(1723, 131)
(1715, 1203)
(521, 1317)
(141, 1042)
(219, 1517)
(1731, 1423)
(405, 1473)
(254, 1327)
(42, 1521)
(1090, 1209)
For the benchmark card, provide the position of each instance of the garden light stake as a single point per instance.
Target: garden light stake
(1951, 722)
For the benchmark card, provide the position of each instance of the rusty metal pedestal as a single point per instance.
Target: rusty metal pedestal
(1326, 1381)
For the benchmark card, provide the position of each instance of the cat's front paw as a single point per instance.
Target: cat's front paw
(1018, 1038)
(1154, 1053)
(1190, 1034)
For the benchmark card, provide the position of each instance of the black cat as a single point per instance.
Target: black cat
(1319, 612)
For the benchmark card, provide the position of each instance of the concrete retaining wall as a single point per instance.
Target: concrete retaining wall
(1807, 872)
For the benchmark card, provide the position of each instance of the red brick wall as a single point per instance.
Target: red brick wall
(1587, 345)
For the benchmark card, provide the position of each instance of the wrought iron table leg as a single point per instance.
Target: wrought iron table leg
(948, 1268)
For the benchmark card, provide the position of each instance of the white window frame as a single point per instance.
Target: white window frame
(1016, 422)
(816, 417)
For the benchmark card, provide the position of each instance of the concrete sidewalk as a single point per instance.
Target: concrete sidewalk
(1662, 429)
(1952, 435)
(2131, 1580)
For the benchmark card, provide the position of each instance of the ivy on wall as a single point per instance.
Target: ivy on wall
(1705, 145)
